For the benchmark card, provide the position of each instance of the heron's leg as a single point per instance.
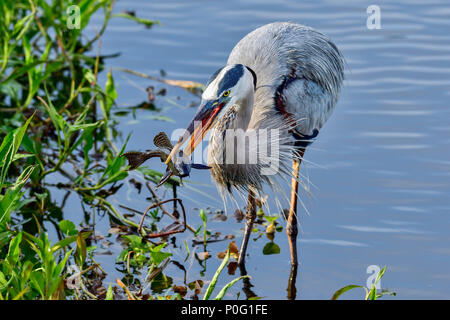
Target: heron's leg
(291, 227)
(250, 216)
(291, 289)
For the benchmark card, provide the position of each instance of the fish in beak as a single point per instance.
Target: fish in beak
(180, 166)
(203, 120)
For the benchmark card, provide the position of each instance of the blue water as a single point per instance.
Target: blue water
(379, 172)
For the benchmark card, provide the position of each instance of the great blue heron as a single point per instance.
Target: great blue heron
(284, 77)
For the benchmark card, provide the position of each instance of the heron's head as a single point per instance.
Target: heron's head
(228, 86)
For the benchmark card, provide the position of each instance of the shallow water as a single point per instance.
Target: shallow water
(379, 172)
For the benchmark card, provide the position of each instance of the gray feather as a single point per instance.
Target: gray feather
(312, 69)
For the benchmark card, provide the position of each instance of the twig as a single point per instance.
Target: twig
(130, 209)
(85, 290)
(127, 291)
(191, 86)
(163, 234)
(155, 196)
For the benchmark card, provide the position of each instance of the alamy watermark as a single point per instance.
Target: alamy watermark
(259, 147)
(374, 19)
(73, 17)
(373, 270)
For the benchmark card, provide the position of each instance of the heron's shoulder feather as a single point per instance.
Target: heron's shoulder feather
(296, 63)
(278, 49)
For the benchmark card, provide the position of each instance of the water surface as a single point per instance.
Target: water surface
(379, 172)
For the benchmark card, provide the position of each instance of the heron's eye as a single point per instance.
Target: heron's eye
(226, 93)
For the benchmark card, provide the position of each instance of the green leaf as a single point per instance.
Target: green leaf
(111, 93)
(76, 127)
(3, 281)
(109, 294)
(380, 275)
(203, 216)
(9, 147)
(118, 176)
(224, 290)
(113, 171)
(66, 241)
(134, 240)
(22, 156)
(13, 194)
(372, 293)
(89, 75)
(14, 251)
(57, 119)
(187, 250)
(212, 285)
(339, 292)
(122, 256)
(198, 230)
(271, 218)
(22, 26)
(271, 248)
(59, 268)
(37, 281)
(81, 249)
(158, 257)
(5, 237)
(16, 73)
(146, 22)
(67, 227)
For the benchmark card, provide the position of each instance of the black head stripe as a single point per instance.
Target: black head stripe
(214, 75)
(253, 74)
(230, 78)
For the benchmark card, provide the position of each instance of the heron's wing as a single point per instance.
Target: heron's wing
(135, 159)
(162, 141)
(299, 74)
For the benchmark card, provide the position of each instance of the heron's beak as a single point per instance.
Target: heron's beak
(203, 120)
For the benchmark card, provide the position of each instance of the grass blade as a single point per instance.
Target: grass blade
(338, 293)
(212, 285)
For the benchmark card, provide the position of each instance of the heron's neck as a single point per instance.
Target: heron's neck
(238, 117)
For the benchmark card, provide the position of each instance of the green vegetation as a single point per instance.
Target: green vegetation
(213, 283)
(371, 293)
(59, 139)
(58, 133)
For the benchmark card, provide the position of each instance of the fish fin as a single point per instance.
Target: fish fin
(161, 140)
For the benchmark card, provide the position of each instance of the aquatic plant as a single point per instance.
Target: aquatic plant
(371, 293)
